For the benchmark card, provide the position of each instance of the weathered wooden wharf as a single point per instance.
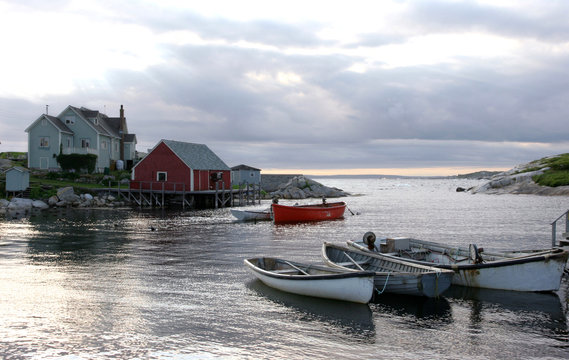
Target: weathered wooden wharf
(159, 194)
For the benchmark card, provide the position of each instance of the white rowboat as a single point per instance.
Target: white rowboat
(391, 275)
(251, 215)
(313, 280)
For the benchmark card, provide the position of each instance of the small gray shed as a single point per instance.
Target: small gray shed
(17, 179)
(243, 174)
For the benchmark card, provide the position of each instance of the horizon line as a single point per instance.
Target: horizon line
(424, 171)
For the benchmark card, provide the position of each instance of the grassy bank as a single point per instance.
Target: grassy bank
(44, 184)
(558, 172)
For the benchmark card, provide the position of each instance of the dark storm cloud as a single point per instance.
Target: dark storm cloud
(258, 92)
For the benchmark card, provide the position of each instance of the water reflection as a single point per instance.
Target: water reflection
(350, 318)
(415, 310)
(540, 313)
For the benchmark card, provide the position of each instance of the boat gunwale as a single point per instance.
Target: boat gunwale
(554, 255)
(349, 273)
(425, 269)
(309, 207)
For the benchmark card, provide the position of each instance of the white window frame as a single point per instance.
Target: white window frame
(85, 143)
(69, 120)
(44, 141)
(165, 173)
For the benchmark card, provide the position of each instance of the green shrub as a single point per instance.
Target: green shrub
(553, 178)
(559, 163)
(52, 175)
(77, 162)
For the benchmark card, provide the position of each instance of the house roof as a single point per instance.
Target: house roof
(244, 167)
(196, 156)
(131, 138)
(60, 125)
(18, 168)
(105, 125)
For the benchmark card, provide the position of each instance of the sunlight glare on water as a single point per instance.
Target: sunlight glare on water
(95, 284)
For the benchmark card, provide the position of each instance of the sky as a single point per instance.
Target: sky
(433, 87)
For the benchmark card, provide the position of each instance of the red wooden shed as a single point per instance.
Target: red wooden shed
(180, 166)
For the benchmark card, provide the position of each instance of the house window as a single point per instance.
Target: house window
(85, 143)
(161, 176)
(68, 142)
(69, 120)
(44, 142)
(104, 145)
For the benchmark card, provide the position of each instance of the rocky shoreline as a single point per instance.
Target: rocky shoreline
(65, 198)
(519, 180)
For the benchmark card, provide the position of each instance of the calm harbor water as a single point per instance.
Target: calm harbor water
(97, 284)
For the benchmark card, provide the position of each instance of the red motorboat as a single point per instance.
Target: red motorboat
(315, 212)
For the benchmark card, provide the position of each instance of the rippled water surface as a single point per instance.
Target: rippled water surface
(94, 284)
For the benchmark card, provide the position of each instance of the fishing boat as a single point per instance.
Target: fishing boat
(312, 212)
(391, 275)
(313, 280)
(251, 215)
(539, 270)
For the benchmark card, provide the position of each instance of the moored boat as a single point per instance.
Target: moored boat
(313, 280)
(518, 271)
(311, 212)
(391, 275)
(251, 215)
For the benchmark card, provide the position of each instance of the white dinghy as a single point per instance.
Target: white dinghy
(251, 215)
(313, 280)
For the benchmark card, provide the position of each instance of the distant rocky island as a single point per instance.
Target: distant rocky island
(522, 178)
(302, 187)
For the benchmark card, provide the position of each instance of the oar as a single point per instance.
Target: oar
(297, 268)
(350, 210)
(355, 263)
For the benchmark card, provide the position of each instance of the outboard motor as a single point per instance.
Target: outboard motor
(474, 254)
(369, 240)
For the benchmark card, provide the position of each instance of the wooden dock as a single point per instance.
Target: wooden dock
(160, 195)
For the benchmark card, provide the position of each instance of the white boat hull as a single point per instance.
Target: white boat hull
(532, 276)
(521, 271)
(251, 215)
(357, 289)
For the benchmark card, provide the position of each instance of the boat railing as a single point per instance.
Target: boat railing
(554, 229)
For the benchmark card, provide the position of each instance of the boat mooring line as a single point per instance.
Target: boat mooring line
(384, 285)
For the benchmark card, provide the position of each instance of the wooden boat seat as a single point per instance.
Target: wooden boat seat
(285, 271)
(348, 263)
(420, 251)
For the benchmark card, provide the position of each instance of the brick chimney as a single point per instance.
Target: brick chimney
(122, 130)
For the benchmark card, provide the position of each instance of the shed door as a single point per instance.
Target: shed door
(44, 163)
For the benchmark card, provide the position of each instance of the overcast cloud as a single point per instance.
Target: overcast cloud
(301, 85)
